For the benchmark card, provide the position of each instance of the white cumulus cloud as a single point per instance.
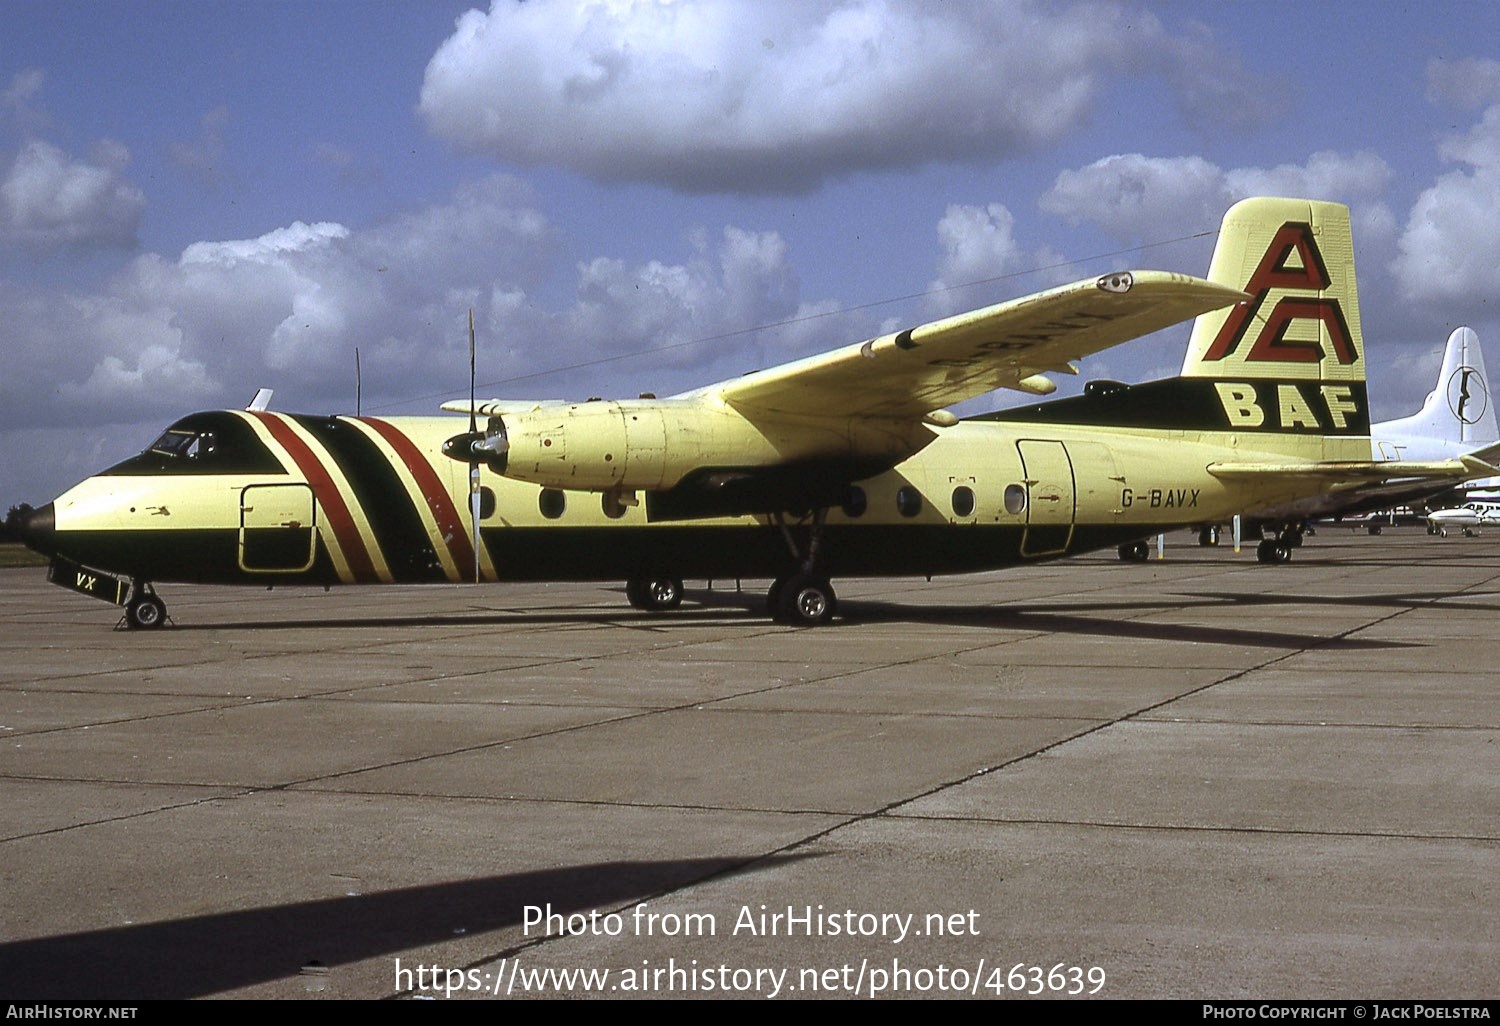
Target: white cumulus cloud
(49, 200)
(1138, 199)
(748, 96)
(1450, 248)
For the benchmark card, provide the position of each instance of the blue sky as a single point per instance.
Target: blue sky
(198, 199)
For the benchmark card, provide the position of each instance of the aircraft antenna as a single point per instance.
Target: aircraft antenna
(358, 389)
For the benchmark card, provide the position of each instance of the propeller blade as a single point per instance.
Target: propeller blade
(474, 502)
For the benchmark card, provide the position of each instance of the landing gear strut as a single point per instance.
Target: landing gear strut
(804, 598)
(144, 611)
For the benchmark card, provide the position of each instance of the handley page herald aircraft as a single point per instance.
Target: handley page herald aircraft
(842, 464)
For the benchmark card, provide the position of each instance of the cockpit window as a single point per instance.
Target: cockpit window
(204, 443)
(188, 444)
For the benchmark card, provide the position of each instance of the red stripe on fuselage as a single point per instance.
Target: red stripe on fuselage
(450, 523)
(329, 497)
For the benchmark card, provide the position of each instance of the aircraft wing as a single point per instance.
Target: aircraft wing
(911, 373)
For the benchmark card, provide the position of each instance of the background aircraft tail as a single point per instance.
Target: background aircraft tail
(1459, 409)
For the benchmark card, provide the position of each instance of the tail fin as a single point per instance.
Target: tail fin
(1290, 361)
(1459, 409)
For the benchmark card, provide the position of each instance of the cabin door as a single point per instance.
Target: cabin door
(1050, 497)
(277, 528)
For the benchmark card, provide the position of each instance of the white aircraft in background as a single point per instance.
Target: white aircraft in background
(1470, 517)
(1457, 419)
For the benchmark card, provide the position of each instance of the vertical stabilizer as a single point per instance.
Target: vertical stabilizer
(1459, 409)
(1296, 258)
(1287, 365)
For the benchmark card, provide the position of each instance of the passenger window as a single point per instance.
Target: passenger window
(1015, 499)
(908, 501)
(551, 502)
(612, 505)
(855, 502)
(963, 501)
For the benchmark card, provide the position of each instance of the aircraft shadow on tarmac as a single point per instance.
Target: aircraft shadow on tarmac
(1102, 618)
(1105, 621)
(210, 954)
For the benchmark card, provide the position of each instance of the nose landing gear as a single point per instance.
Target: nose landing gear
(144, 611)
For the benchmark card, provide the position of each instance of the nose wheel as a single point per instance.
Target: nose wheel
(145, 611)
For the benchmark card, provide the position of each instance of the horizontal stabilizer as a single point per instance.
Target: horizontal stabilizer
(1358, 471)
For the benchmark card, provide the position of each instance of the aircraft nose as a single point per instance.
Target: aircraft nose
(39, 530)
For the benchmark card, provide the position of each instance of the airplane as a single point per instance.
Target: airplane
(1470, 517)
(1457, 418)
(843, 464)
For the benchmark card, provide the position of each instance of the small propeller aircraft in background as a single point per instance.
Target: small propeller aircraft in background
(1469, 518)
(844, 464)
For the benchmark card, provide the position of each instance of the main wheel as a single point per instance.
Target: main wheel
(145, 612)
(1273, 550)
(1208, 535)
(1135, 552)
(802, 600)
(654, 594)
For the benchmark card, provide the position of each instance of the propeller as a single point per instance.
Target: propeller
(475, 449)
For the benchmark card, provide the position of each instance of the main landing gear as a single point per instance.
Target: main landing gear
(1135, 552)
(1273, 550)
(801, 600)
(1279, 549)
(804, 598)
(144, 611)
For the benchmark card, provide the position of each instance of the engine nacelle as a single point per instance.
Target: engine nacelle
(652, 444)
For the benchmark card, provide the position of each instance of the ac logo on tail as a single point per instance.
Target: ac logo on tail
(1275, 272)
